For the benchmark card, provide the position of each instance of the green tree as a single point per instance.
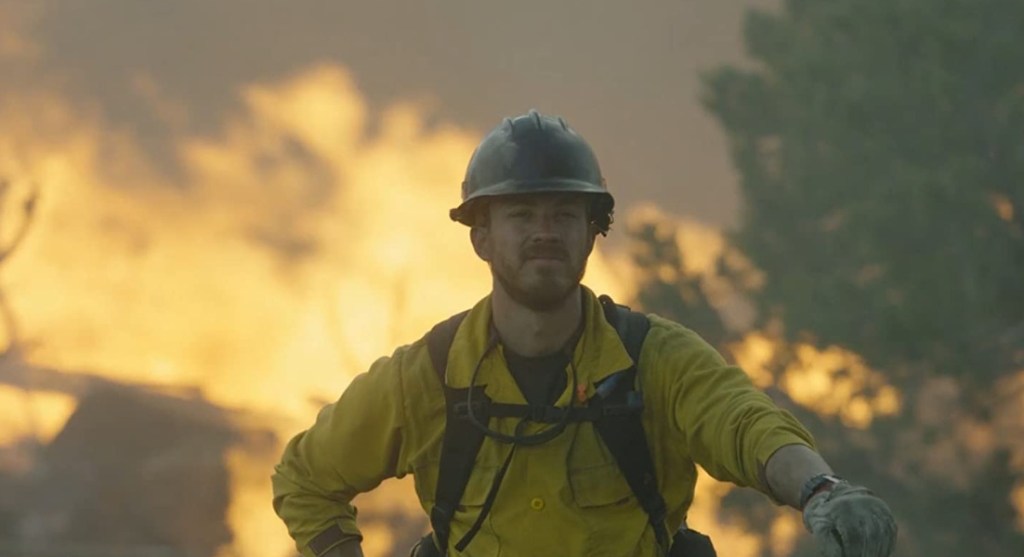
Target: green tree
(881, 154)
(664, 283)
(880, 145)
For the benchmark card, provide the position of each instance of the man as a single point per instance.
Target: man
(568, 458)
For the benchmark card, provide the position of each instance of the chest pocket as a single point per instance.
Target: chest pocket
(594, 477)
(608, 514)
(479, 484)
(599, 486)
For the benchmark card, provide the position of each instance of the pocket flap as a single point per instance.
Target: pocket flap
(477, 488)
(599, 485)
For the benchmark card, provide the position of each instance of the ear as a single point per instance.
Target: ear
(479, 236)
(593, 239)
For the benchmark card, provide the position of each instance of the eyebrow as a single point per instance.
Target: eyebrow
(533, 200)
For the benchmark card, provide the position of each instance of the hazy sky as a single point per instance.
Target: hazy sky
(626, 74)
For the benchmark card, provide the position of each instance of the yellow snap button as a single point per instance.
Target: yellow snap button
(536, 503)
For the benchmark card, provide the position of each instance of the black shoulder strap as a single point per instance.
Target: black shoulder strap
(439, 341)
(632, 326)
(461, 441)
(623, 434)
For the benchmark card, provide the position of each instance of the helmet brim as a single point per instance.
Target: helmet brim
(465, 215)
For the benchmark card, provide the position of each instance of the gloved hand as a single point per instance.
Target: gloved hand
(850, 521)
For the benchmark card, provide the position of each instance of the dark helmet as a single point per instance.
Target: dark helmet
(534, 153)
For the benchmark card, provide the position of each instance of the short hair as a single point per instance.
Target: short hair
(600, 212)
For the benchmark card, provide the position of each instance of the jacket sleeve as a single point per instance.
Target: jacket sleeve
(730, 426)
(354, 444)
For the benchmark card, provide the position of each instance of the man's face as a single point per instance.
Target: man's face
(537, 246)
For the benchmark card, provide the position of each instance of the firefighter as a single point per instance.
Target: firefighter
(547, 420)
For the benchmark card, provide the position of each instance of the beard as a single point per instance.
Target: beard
(547, 291)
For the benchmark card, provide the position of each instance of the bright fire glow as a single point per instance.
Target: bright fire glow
(37, 416)
(296, 250)
(832, 381)
(700, 249)
(754, 354)
(729, 539)
(1003, 207)
(292, 248)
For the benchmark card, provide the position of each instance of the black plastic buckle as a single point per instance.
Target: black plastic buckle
(461, 409)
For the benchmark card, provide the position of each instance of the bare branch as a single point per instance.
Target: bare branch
(29, 212)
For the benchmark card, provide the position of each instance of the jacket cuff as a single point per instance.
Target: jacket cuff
(330, 538)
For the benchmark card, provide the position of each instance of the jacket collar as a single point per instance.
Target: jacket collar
(598, 353)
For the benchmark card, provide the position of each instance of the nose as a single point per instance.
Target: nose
(546, 230)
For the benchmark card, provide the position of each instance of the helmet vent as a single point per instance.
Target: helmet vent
(536, 118)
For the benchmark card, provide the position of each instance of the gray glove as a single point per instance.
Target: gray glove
(849, 521)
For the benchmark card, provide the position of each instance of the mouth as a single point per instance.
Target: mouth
(546, 255)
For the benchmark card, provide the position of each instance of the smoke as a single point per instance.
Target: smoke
(626, 77)
(291, 248)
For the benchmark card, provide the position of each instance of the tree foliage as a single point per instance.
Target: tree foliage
(880, 147)
(881, 151)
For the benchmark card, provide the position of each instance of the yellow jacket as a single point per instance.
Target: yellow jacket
(567, 493)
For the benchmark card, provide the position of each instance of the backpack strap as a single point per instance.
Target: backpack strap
(632, 326)
(439, 342)
(623, 434)
(615, 412)
(461, 441)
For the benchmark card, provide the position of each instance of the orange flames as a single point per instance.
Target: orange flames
(293, 248)
(832, 382)
(298, 248)
(32, 415)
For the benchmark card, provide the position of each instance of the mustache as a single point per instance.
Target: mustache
(550, 251)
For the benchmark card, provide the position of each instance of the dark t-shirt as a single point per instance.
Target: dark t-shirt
(542, 378)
